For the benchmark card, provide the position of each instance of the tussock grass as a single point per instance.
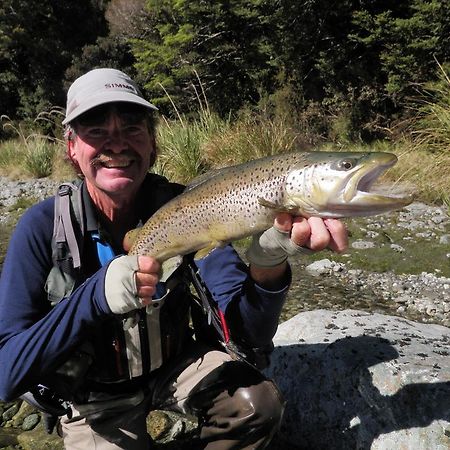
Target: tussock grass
(30, 158)
(30, 153)
(424, 173)
(38, 156)
(249, 138)
(424, 155)
(430, 128)
(181, 146)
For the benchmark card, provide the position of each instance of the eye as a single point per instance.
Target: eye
(96, 132)
(346, 164)
(134, 130)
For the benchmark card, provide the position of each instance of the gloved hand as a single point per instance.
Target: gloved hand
(272, 247)
(130, 282)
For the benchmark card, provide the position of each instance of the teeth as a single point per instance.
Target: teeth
(116, 164)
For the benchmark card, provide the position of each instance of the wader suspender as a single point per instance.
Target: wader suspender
(63, 230)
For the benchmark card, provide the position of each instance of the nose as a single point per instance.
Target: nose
(116, 140)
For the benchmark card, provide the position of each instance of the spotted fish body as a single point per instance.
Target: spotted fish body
(242, 200)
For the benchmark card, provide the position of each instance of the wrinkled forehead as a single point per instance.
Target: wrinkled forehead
(129, 113)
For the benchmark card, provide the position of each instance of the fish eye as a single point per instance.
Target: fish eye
(346, 164)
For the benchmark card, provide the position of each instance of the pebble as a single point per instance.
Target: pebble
(362, 245)
(424, 296)
(30, 421)
(10, 412)
(11, 191)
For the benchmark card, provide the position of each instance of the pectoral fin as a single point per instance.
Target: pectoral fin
(208, 249)
(267, 203)
(169, 266)
(293, 210)
(129, 238)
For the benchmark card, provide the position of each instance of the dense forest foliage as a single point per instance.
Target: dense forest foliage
(363, 61)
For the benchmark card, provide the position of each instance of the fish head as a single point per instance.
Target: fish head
(335, 184)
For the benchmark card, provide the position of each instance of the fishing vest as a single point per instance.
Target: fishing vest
(125, 348)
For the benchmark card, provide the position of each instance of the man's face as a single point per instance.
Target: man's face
(113, 148)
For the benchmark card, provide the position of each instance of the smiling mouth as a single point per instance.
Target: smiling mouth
(116, 164)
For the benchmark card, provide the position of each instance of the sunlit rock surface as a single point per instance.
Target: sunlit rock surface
(357, 380)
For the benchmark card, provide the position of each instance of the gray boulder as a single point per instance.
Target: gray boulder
(356, 380)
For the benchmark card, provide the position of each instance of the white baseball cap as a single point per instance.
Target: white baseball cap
(100, 86)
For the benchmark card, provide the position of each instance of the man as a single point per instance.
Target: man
(98, 332)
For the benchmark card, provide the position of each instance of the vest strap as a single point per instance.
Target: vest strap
(63, 230)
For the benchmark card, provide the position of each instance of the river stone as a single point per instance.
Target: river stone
(158, 424)
(8, 438)
(10, 412)
(362, 245)
(39, 439)
(357, 380)
(321, 267)
(24, 411)
(30, 421)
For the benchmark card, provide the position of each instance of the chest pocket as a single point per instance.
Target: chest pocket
(67, 239)
(59, 285)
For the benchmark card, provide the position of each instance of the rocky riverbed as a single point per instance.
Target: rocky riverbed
(397, 264)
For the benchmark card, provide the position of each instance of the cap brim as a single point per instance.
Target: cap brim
(107, 98)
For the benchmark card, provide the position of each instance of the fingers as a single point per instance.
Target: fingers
(283, 222)
(314, 233)
(319, 237)
(338, 234)
(147, 277)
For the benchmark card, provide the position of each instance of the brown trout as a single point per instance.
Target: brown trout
(242, 200)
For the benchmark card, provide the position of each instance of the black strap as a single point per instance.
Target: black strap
(204, 300)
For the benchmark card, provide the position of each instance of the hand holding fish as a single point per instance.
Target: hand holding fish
(130, 282)
(146, 278)
(290, 236)
(314, 233)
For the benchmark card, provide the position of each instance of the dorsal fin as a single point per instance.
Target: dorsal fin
(197, 181)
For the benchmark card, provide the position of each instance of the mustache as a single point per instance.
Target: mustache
(106, 157)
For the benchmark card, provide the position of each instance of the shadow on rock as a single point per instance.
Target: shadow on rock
(333, 402)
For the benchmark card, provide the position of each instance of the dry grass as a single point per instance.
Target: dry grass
(247, 139)
(423, 172)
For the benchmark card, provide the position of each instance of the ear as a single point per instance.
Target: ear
(154, 151)
(71, 154)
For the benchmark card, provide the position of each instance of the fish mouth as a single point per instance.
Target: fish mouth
(360, 193)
